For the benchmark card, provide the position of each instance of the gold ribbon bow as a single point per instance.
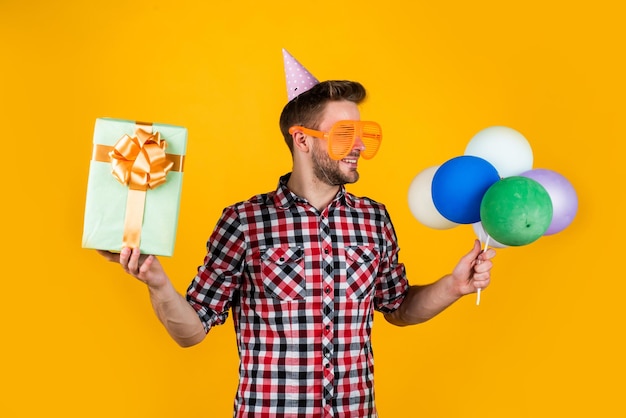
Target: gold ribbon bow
(140, 163)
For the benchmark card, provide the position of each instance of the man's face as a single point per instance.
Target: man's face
(327, 170)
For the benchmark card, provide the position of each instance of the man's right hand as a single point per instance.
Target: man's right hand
(144, 267)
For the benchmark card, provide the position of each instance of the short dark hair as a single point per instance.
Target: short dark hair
(306, 109)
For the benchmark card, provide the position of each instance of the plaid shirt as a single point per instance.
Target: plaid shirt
(303, 286)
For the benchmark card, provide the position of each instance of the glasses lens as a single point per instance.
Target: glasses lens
(371, 135)
(342, 136)
(341, 139)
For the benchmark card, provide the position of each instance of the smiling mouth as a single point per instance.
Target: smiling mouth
(351, 159)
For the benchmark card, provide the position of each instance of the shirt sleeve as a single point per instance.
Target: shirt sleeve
(391, 284)
(212, 290)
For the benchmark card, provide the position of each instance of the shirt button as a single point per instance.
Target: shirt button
(326, 251)
(327, 289)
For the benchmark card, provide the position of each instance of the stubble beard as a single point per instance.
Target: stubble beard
(327, 170)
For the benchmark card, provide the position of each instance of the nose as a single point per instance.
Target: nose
(358, 144)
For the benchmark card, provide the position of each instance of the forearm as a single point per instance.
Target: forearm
(180, 320)
(424, 302)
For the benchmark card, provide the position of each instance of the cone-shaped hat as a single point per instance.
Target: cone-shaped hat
(299, 79)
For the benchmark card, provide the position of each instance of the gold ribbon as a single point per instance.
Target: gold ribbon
(101, 154)
(140, 163)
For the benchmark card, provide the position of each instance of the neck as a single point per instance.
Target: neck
(316, 192)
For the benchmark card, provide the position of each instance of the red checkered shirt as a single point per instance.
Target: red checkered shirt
(303, 286)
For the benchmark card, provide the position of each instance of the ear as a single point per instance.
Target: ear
(301, 141)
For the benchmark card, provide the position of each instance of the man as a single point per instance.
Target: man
(303, 268)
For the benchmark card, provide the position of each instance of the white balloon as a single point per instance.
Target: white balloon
(482, 235)
(421, 201)
(505, 148)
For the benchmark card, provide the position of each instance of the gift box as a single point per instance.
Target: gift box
(134, 186)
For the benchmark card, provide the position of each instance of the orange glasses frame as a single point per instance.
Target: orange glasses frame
(342, 136)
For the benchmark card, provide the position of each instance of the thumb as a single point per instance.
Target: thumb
(471, 256)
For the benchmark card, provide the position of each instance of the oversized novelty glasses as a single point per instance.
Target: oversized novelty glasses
(343, 134)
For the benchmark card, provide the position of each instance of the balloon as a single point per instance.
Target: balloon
(458, 187)
(482, 235)
(562, 194)
(516, 210)
(421, 201)
(505, 148)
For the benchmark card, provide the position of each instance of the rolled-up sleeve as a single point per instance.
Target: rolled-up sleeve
(391, 284)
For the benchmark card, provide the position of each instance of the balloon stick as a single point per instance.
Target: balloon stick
(479, 289)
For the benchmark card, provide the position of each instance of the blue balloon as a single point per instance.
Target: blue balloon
(458, 187)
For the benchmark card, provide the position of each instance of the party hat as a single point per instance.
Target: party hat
(299, 79)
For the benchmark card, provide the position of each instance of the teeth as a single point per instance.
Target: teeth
(350, 161)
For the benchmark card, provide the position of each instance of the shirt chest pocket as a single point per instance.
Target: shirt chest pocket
(282, 271)
(361, 268)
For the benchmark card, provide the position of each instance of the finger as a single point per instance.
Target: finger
(481, 283)
(133, 261)
(489, 254)
(482, 259)
(472, 255)
(482, 271)
(145, 266)
(482, 266)
(123, 258)
(477, 246)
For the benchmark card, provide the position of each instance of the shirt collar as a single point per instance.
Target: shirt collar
(285, 198)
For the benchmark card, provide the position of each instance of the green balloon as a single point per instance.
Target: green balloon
(516, 210)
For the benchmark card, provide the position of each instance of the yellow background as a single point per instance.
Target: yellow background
(79, 337)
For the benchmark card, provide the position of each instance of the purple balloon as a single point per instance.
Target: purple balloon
(562, 194)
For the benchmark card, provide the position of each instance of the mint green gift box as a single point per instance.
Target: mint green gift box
(105, 208)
